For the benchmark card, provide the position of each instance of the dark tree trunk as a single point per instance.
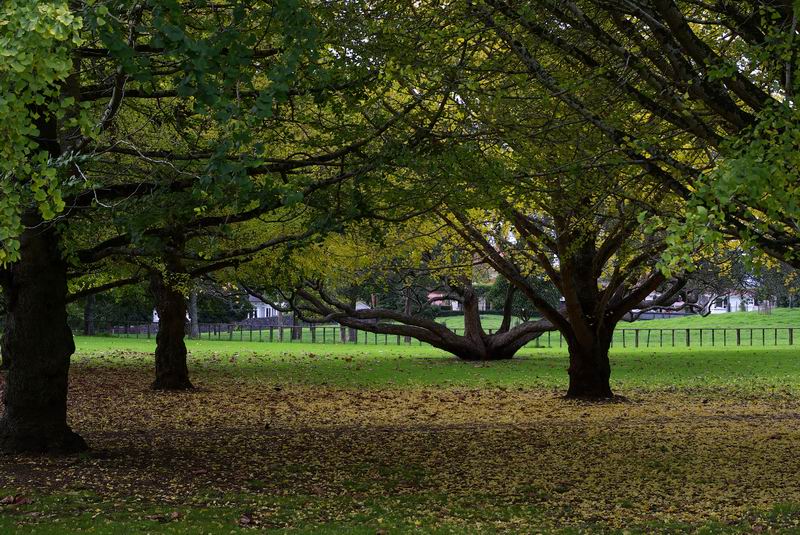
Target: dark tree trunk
(39, 343)
(508, 309)
(194, 319)
(407, 310)
(297, 332)
(589, 367)
(5, 358)
(88, 316)
(172, 372)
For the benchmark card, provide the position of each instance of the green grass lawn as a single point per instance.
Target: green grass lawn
(778, 317)
(719, 330)
(757, 368)
(322, 438)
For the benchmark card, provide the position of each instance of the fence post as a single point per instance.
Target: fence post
(712, 337)
(791, 336)
(636, 338)
(738, 337)
(314, 334)
(688, 337)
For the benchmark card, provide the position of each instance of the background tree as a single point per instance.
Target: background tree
(323, 284)
(520, 306)
(713, 86)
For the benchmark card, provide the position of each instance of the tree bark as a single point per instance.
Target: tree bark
(297, 332)
(194, 319)
(88, 316)
(407, 310)
(172, 372)
(5, 358)
(589, 367)
(39, 343)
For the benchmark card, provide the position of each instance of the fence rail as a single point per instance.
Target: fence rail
(334, 334)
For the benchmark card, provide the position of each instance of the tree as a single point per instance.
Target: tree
(713, 86)
(520, 307)
(126, 118)
(415, 260)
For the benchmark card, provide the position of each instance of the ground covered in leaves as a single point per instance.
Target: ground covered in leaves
(252, 449)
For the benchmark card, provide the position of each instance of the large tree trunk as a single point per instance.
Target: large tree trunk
(194, 318)
(589, 367)
(172, 372)
(5, 359)
(88, 316)
(38, 343)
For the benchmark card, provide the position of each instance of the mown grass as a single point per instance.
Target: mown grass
(312, 438)
(718, 330)
(741, 368)
(86, 513)
(777, 317)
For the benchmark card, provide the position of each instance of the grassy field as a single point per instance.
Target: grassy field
(312, 438)
(756, 369)
(719, 330)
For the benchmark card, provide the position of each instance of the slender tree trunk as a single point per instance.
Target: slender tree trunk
(172, 372)
(508, 309)
(589, 367)
(194, 319)
(88, 316)
(407, 310)
(39, 343)
(297, 332)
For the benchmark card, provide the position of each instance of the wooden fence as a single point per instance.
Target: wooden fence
(331, 334)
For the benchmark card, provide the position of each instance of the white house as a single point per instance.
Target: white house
(265, 310)
(260, 308)
(441, 300)
(738, 302)
(742, 301)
